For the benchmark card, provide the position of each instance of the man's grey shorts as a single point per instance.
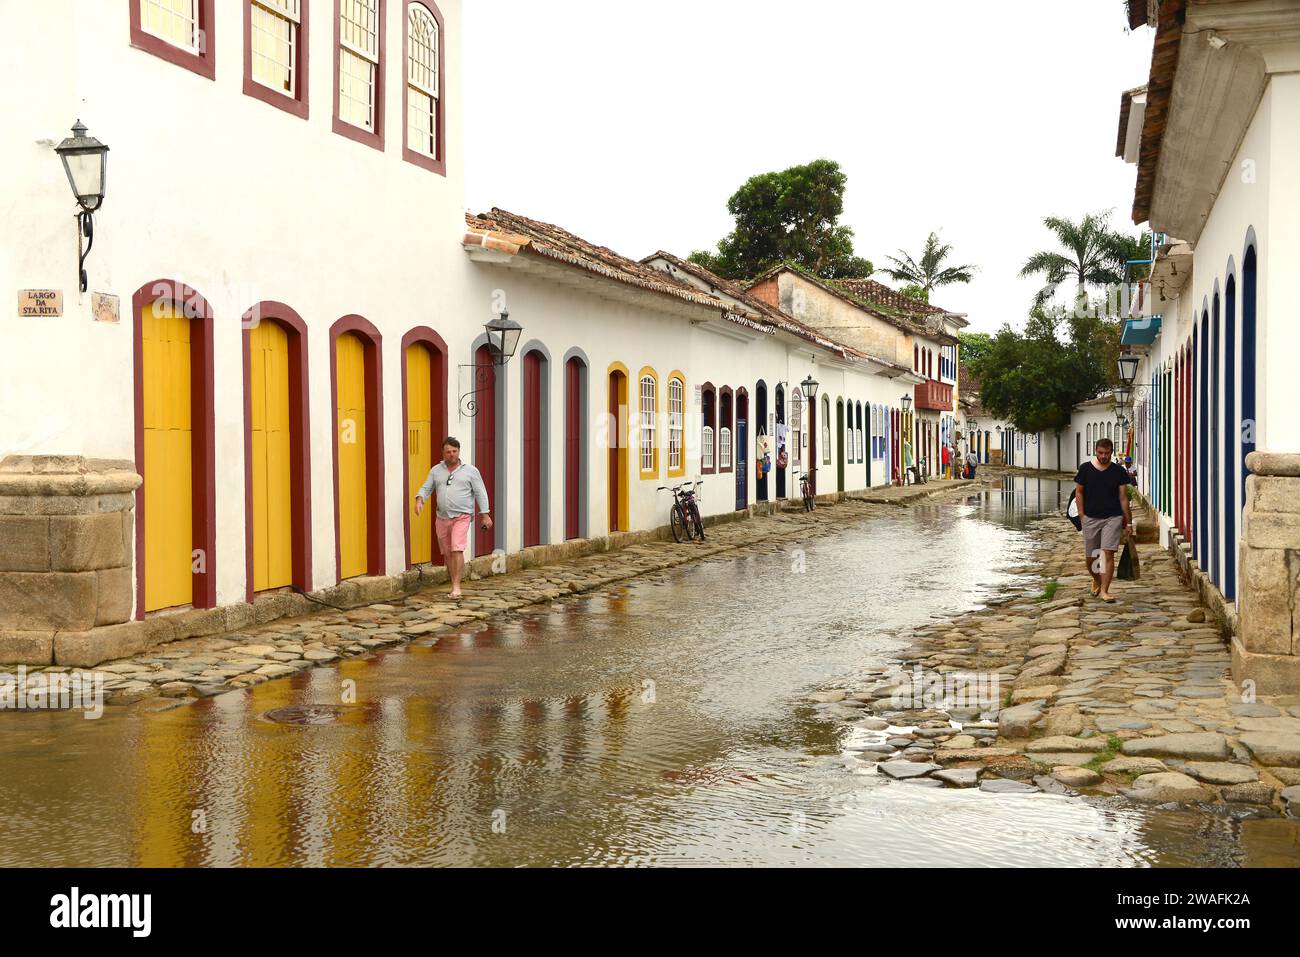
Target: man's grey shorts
(1102, 534)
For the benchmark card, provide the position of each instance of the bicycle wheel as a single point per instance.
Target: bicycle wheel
(695, 519)
(681, 528)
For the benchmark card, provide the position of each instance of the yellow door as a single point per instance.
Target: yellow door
(268, 366)
(168, 463)
(350, 369)
(419, 446)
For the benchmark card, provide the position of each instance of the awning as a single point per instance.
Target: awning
(1141, 331)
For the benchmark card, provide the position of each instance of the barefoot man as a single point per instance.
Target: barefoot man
(459, 487)
(1103, 504)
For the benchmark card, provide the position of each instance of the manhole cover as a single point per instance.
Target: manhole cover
(305, 714)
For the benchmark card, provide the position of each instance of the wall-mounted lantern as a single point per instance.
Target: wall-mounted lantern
(85, 160)
(503, 335)
(1128, 368)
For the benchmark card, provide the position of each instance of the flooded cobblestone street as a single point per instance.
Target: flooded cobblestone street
(663, 720)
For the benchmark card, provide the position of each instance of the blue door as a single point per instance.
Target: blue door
(742, 464)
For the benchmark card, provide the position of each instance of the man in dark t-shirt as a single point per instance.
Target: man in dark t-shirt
(1103, 506)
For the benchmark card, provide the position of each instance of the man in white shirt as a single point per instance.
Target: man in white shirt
(459, 487)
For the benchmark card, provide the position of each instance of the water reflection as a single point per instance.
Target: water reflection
(657, 722)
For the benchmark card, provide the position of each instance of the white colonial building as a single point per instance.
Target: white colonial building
(1215, 135)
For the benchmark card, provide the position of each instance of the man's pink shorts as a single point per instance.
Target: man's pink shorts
(453, 533)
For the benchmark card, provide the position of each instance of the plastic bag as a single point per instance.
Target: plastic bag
(1129, 567)
(1072, 513)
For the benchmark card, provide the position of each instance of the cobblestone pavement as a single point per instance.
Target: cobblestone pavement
(1133, 698)
(203, 667)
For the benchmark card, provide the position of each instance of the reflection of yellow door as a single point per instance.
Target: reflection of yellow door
(168, 462)
(268, 367)
(350, 368)
(419, 446)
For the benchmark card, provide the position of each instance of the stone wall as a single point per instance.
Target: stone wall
(1266, 649)
(66, 550)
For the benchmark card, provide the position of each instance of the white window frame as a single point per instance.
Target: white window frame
(426, 86)
(348, 48)
(162, 10)
(676, 432)
(706, 447)
(649, 394)
(796, 422)
(724, 448)
(290, 11)
(826, 431)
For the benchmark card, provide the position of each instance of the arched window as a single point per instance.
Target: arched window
(649, 413)
(424, 117)
(676, 430)
(359, 68)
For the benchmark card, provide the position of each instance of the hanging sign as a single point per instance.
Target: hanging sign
(40, 302)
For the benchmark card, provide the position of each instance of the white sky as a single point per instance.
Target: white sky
(630, 124)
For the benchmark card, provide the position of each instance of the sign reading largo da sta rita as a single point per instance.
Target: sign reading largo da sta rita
(40, 302)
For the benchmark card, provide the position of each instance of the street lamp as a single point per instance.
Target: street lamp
(85, 161)
(503, 337)
(809, 386)
(1122, 396)
(906, 401)
(1128, 368)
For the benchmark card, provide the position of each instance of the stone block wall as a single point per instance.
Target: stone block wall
(1266, 649)
(66, 550)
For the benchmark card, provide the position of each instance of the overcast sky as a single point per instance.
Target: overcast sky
(631, 123)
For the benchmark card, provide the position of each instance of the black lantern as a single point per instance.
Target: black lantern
(85, 161)
(1122, 396)
(906, 401)
(503, 337)
(810, 387)
(1128, 368)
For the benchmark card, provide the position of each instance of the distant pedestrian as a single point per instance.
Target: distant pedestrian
(909, 464)
(972, 462)
(459, 487)
(946, 459)
(1103, 504)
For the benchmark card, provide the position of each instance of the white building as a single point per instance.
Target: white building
(283, 316)
(1215, 135)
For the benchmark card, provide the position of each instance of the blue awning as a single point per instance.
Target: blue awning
(1141, 331)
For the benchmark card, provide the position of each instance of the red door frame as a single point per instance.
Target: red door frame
(532, 450)
(203, 471)
(372, 343)
(573, 369)
(299, 441)
(438, 365)
(485, 442)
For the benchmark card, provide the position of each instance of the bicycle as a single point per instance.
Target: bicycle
(805, 489)
(684, 518)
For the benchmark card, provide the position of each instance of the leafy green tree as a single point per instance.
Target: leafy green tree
(788, 216)
(974, 346)
(929, 273)
(1035, 378)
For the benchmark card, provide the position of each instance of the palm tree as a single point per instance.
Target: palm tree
(930, 273)
(1093, 255)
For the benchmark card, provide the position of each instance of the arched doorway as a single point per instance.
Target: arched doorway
(760, 433)
(175, 507)
(489, 451)
(742, 450)
(839, 439)
(1215, 564)
(535, 408)
(424, 396)
(616, 408)
(781, 431)
(355, 374)
(575, 446)
(277, 450)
